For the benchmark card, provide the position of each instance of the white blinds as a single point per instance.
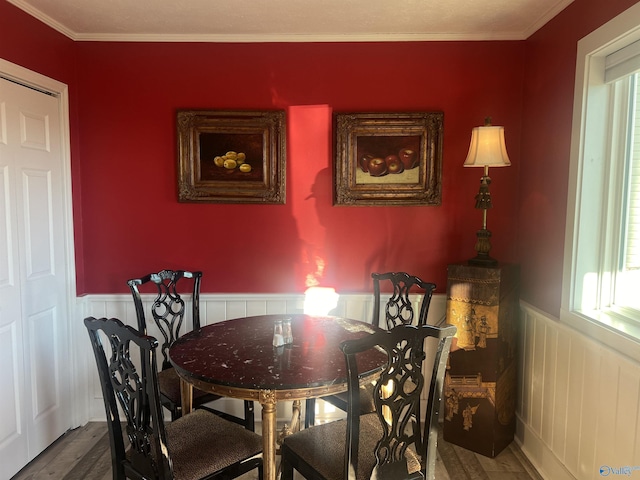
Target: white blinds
(632, 249)
(622, 62)
(620, 65)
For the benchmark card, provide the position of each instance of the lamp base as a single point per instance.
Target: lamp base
(483, 261)
(483, 246)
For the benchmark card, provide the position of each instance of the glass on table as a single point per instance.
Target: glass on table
(278, 338)
(286, 331)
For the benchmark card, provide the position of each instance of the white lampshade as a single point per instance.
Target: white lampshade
(487, 148)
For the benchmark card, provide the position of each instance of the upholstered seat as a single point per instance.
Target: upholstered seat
(200, 445)
(190, 437)
(323, 448)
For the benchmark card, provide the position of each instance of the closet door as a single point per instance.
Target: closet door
(34, 330)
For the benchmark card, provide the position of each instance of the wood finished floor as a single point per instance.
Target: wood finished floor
(83, 454)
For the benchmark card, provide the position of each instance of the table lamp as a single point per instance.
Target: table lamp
(487, 149)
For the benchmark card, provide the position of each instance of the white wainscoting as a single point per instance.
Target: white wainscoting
(213, 308)
(578, 402)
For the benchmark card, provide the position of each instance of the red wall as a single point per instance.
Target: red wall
(28, 42)
(31, 44)
(124, 155)
(133, 224)
(546, 137)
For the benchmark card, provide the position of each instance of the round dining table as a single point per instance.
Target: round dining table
(237, 358)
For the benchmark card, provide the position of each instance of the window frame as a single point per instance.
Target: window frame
(592, 248)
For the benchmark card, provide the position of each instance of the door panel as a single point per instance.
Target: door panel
(45, 394)
(33, 281)
(13, 439)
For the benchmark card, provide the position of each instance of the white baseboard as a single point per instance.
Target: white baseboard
(548, 466)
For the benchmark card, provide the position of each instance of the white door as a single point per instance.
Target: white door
(34, 317)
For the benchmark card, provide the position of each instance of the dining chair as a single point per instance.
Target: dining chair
(394, 442)
(168, 311)
(199, 445)
(398, 309)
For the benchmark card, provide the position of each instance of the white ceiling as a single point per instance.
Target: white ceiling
(293, 20)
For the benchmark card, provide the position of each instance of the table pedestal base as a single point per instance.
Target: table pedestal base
(268, 402)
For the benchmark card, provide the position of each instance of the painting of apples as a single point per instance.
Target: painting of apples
(382, 156)
(388, 158)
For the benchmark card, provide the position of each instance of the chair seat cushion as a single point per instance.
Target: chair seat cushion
(169, 385)
(202, 443)
(322, 448)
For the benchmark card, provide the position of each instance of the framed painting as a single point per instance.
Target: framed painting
(231, 156)
(388, 158)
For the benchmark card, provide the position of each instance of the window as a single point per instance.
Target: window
(601, 291)
(628, 284)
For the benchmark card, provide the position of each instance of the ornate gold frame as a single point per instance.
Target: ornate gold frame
(384, 135)
(207, 139)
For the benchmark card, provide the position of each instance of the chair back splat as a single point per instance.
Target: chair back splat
(393, 442)
(168, 307)
(137, 396)
(397, 398)
(398, 307)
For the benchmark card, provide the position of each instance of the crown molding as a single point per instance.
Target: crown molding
(286, 38)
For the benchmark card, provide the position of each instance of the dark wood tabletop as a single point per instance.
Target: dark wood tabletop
(239, 353)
